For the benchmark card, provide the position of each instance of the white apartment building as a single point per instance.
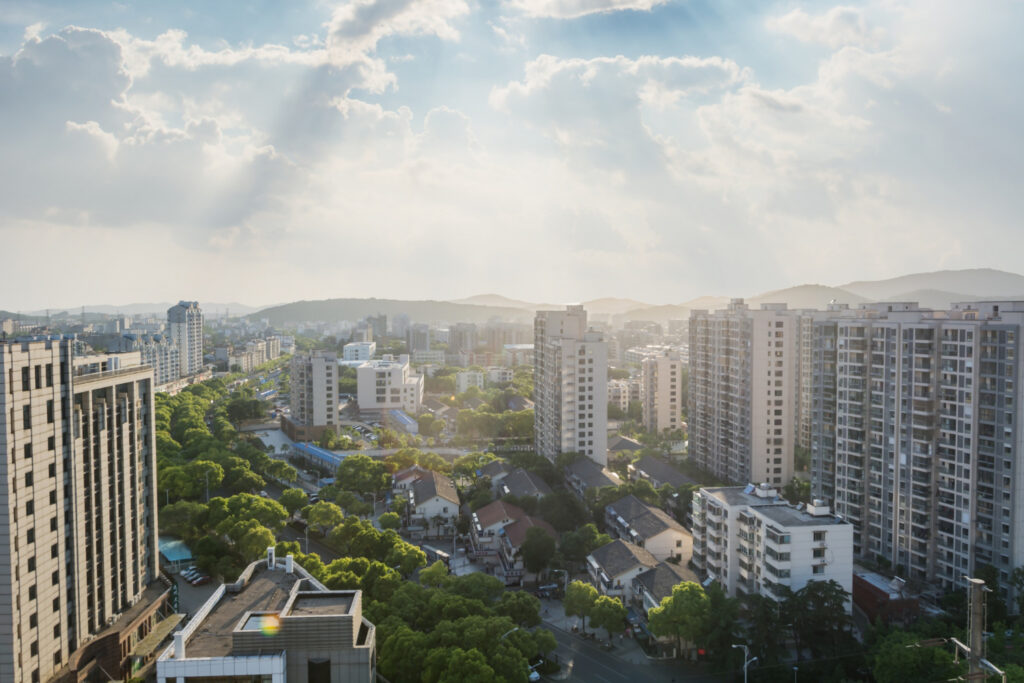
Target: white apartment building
(751, 541)
(468, 378)
(314, 395)
(156, 351)
(359, 350)
(570, 386)
(515, 355)
(743, 367)
(927, 442)
(78, 521)
(499, 375)
(185, 328)
(618, 393)
(661, 376)
(389, 384)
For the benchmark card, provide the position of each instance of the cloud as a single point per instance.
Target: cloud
(835, 28)
(571, 9)
(357, 27)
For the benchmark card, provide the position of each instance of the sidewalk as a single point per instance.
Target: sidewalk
(625, 647)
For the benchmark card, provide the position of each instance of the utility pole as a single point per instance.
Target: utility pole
(978, 668)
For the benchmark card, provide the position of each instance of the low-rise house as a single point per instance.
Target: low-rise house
(402, 480)
(619, 445)
(652, 586)
(518, 403)
(633, 520)
(433, 497)
(512, 537)
(496, 471)
(613, 567)
(523, 484)
(583, 473)
(658, 473)
(485, 531)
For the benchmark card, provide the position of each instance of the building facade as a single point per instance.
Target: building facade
(742, 387)
(570, 386)
(662, 376)
(389, 384)
(753, 542)
(78, 526)
(314, 398)
(927, 438)
(359, 350)
(185, 328)
(156, 351)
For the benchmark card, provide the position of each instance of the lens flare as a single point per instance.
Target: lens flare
(270, 625)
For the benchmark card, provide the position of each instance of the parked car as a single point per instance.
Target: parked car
(264, 494)
(190, 568)
(199, 581)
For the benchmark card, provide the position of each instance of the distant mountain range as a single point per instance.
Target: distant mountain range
(932, 290)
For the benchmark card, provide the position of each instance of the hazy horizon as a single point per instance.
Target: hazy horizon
(543, 150)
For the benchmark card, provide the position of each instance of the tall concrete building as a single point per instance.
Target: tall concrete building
(926, 461)
(463, 337)
(661, 375)
(419, 337)
(314, 395)
(570, 385)
(78, 524)
(743, 367)
(185, 328)
(158, 352)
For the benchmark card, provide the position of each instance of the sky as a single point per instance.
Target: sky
(548, 150)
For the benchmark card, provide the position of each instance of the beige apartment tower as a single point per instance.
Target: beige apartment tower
(743, 366)
(661, 375)
(78, 528)
(314, 398)
(570, 386)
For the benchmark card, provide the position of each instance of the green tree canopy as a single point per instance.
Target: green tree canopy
(682, 614)
(579, 600)
(608, 613)
(538, 548)
(363, 474)
(293, 500)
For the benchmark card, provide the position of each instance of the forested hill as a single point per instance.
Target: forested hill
(418, 311)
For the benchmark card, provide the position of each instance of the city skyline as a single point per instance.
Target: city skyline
(711, 148)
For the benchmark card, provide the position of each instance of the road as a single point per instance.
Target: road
(590, 663)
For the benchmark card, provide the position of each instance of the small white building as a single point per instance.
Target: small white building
(388, 384)
(613, 567)
(633, 520)
(363, 350)
(751, 541)
(468, 378)
(499, 375)
(434, 496)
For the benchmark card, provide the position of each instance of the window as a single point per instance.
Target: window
(818, 569)
(28, 479)
(819, 535)
(49, 411)
(55, 577)
(26, 417)
(52, 469)
(33, 620)
(56, 604)
(28, 451)
(32, 592)
(53, 524)
(33, 649)
(25, 378)
(30, 537)
(30, 507)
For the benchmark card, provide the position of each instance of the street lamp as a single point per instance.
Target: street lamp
(746, 662)
(795, 670)
(565, 583)
(506, 633)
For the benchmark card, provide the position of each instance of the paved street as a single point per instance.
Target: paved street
(625, 663)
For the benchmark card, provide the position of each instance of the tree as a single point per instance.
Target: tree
(895, 662)
(608, 613)
(183, 519)
(435, 575)
(579, 600)
(537, 549)
(252, 539)
(797, 491)
(682, 614)
(762, 617)
(363, 474)
(293, 500)
(324, 516)
(204, 474)
(433, 461)
(464, 666)
(519, 606)
(390, 520)
(720, 625)
(247, 481)
(282, 471)
(576, 545)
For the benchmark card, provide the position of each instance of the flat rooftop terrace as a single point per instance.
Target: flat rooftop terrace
(267, 591)
(329, 604)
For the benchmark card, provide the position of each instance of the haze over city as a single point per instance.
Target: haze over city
(547, 150)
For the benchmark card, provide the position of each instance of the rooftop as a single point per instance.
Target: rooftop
(522, 483)
(656, 468)
(619, 557)
(321, 604)
(661, 579)
(622, 443)
(738, 495)
(267, 591)
(495, 512)
(790, 516)
(592, 474)
(433, 484)
(646, 520)
(517, 530)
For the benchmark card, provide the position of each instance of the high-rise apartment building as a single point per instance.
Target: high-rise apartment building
(156, 351)
(78, 522)
(463, 337)
(570, 386)
(314, 395)
(419, 337)
(662, 376)
(185, 328)
(927, 445)
(742, 386)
